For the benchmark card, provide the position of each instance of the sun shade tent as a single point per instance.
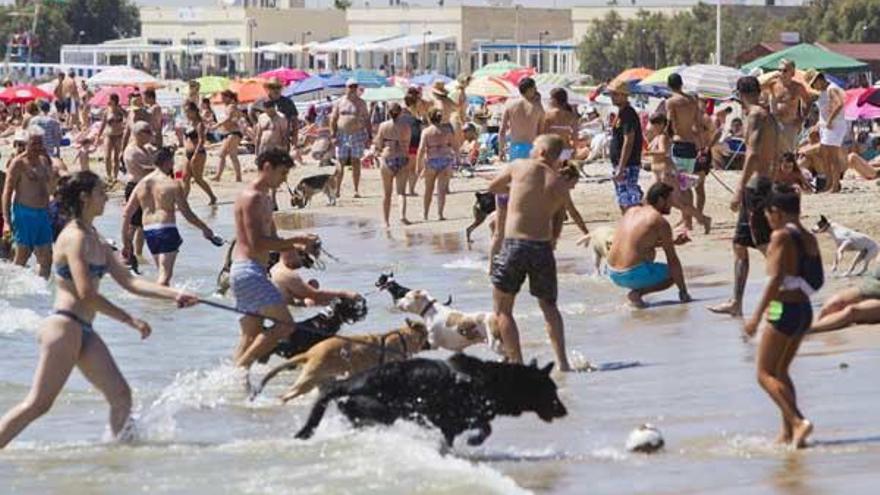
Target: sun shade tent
(348, 43)
(366, 78)
(398, 43)
(807, 56)
(121, 75)
(711, 81)
(281, 48)
(389, 93)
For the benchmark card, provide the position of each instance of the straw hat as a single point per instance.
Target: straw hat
(273, 82)
(621, 87)
(439, 89)
(811, 75)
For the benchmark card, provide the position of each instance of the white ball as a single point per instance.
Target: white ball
(645, 439)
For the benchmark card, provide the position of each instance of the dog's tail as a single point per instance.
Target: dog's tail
(286, 365)
(318, 410)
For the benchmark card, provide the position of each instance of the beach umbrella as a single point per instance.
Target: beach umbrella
(285, 75)
(366, 78)
(655, 84)
(870, 97)
(122, 75)
(853, 111)
(429, 79)
(552, 80)
(632, 75)
(48, 87)
(248, 90)
(102, 97)
(23, 94)
(209, 85)
(496, 69)
(490, 86)
(401, 81)
(711, 81)
(516, 75)
(334, 80)
(388, 93)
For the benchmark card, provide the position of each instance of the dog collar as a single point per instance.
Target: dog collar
(430, 305)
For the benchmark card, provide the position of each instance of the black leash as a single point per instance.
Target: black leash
(315, 331)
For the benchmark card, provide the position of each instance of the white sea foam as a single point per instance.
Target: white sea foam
(13, 319)
(16, 281)
(466, 263)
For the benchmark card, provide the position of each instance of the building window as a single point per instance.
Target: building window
(450, 47)
(160, 41)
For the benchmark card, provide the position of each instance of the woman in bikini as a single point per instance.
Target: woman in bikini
(113, 119)
(794, 268)
(414, 112)
(196, 156)
(436, 157)
(392, 143)
(562, 120)
(232, 135)
(66, 338)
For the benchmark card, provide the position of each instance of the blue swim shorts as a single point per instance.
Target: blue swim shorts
(641, 276)
(519, 149)
(162, 238)
(628, 192)
(32, 227)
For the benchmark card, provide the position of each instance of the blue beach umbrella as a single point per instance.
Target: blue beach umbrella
(366, 78)
(306, 86)
(430, 79)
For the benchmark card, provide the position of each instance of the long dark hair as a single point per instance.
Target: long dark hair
(560, 97)
(71, 187)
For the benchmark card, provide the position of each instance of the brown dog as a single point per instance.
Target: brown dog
(332, 358)
(301, 196)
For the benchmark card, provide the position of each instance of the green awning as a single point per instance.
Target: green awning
(807, 56)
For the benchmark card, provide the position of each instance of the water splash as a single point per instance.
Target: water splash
(466, 263)
(16, 281)
(14, 320)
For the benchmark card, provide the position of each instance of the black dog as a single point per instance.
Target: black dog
(483, 207)
(455, 395)
(386, 282)
(321, 326)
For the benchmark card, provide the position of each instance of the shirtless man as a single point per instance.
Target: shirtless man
(157, 197)
(139, 157)
(272, 129)
(256, 236)
(686, 122)
(762, 153)
(520, 124)
(30, 180)
(297, 291)
(155, 118)
(789, 101)
(392, 144)
(350, 129)
(832, 126)
(537, 193)
(638, 234)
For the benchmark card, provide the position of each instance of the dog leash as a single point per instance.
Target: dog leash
(307, 329)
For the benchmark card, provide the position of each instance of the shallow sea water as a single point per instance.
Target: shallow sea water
(199, 433)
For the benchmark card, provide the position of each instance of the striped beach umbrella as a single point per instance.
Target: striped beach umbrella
(632, 75)
(490, 86)
(711, 81)
(655, 84)
(496, 69)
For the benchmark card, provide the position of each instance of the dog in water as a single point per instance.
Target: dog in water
(386, 282)
(334, 357)
(452, 329)
(484, 205)
(301, 196)
(340, 311)
(848, 239)
(456, 395)
(600, 240)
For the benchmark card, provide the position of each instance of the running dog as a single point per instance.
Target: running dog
(386, 282)
(301, 196)
(451, 329)
(331, 358)
(459, 394)
(326, 324)
(484, 205)
(848, 239)
(600, 240)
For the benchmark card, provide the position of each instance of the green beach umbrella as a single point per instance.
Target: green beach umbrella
(209, 85)
(496, 69)
(385, 93)
(807, 56)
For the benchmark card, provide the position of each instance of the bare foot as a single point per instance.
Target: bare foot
(212, 201)
(635, 300)
(784, 437)
(357, 194)
(441, 218)
(800, 432)
(729, 308)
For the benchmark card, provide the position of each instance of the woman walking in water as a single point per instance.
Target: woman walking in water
(82, 257)
(114, 118)
(232, 135)
(196, 156)
(436, 156)
(794, 268)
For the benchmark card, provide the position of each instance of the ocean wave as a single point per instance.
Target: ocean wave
(14, 320)
(16, 281)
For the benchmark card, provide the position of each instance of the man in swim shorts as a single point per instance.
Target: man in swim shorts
(626, 148)
(350, 129)
(685, 117)
(139, 157)
(256, 236)
(30, 180)
(762, 153)
(638, 234)
(537, 193)
(521, 123)
(157, 197)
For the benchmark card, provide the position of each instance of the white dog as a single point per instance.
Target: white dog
(600, 240)
(449, 328)
(848, 239)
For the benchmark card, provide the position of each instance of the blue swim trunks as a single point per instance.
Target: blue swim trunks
(32, 227)
(252, 288)
(519, 149)
(641, 276)
(162, 238)
(628, 192)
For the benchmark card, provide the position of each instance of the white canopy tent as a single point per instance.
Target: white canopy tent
(280, 48)
(408, 42)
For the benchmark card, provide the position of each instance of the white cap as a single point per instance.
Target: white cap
(141, 126)
(351, 82)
